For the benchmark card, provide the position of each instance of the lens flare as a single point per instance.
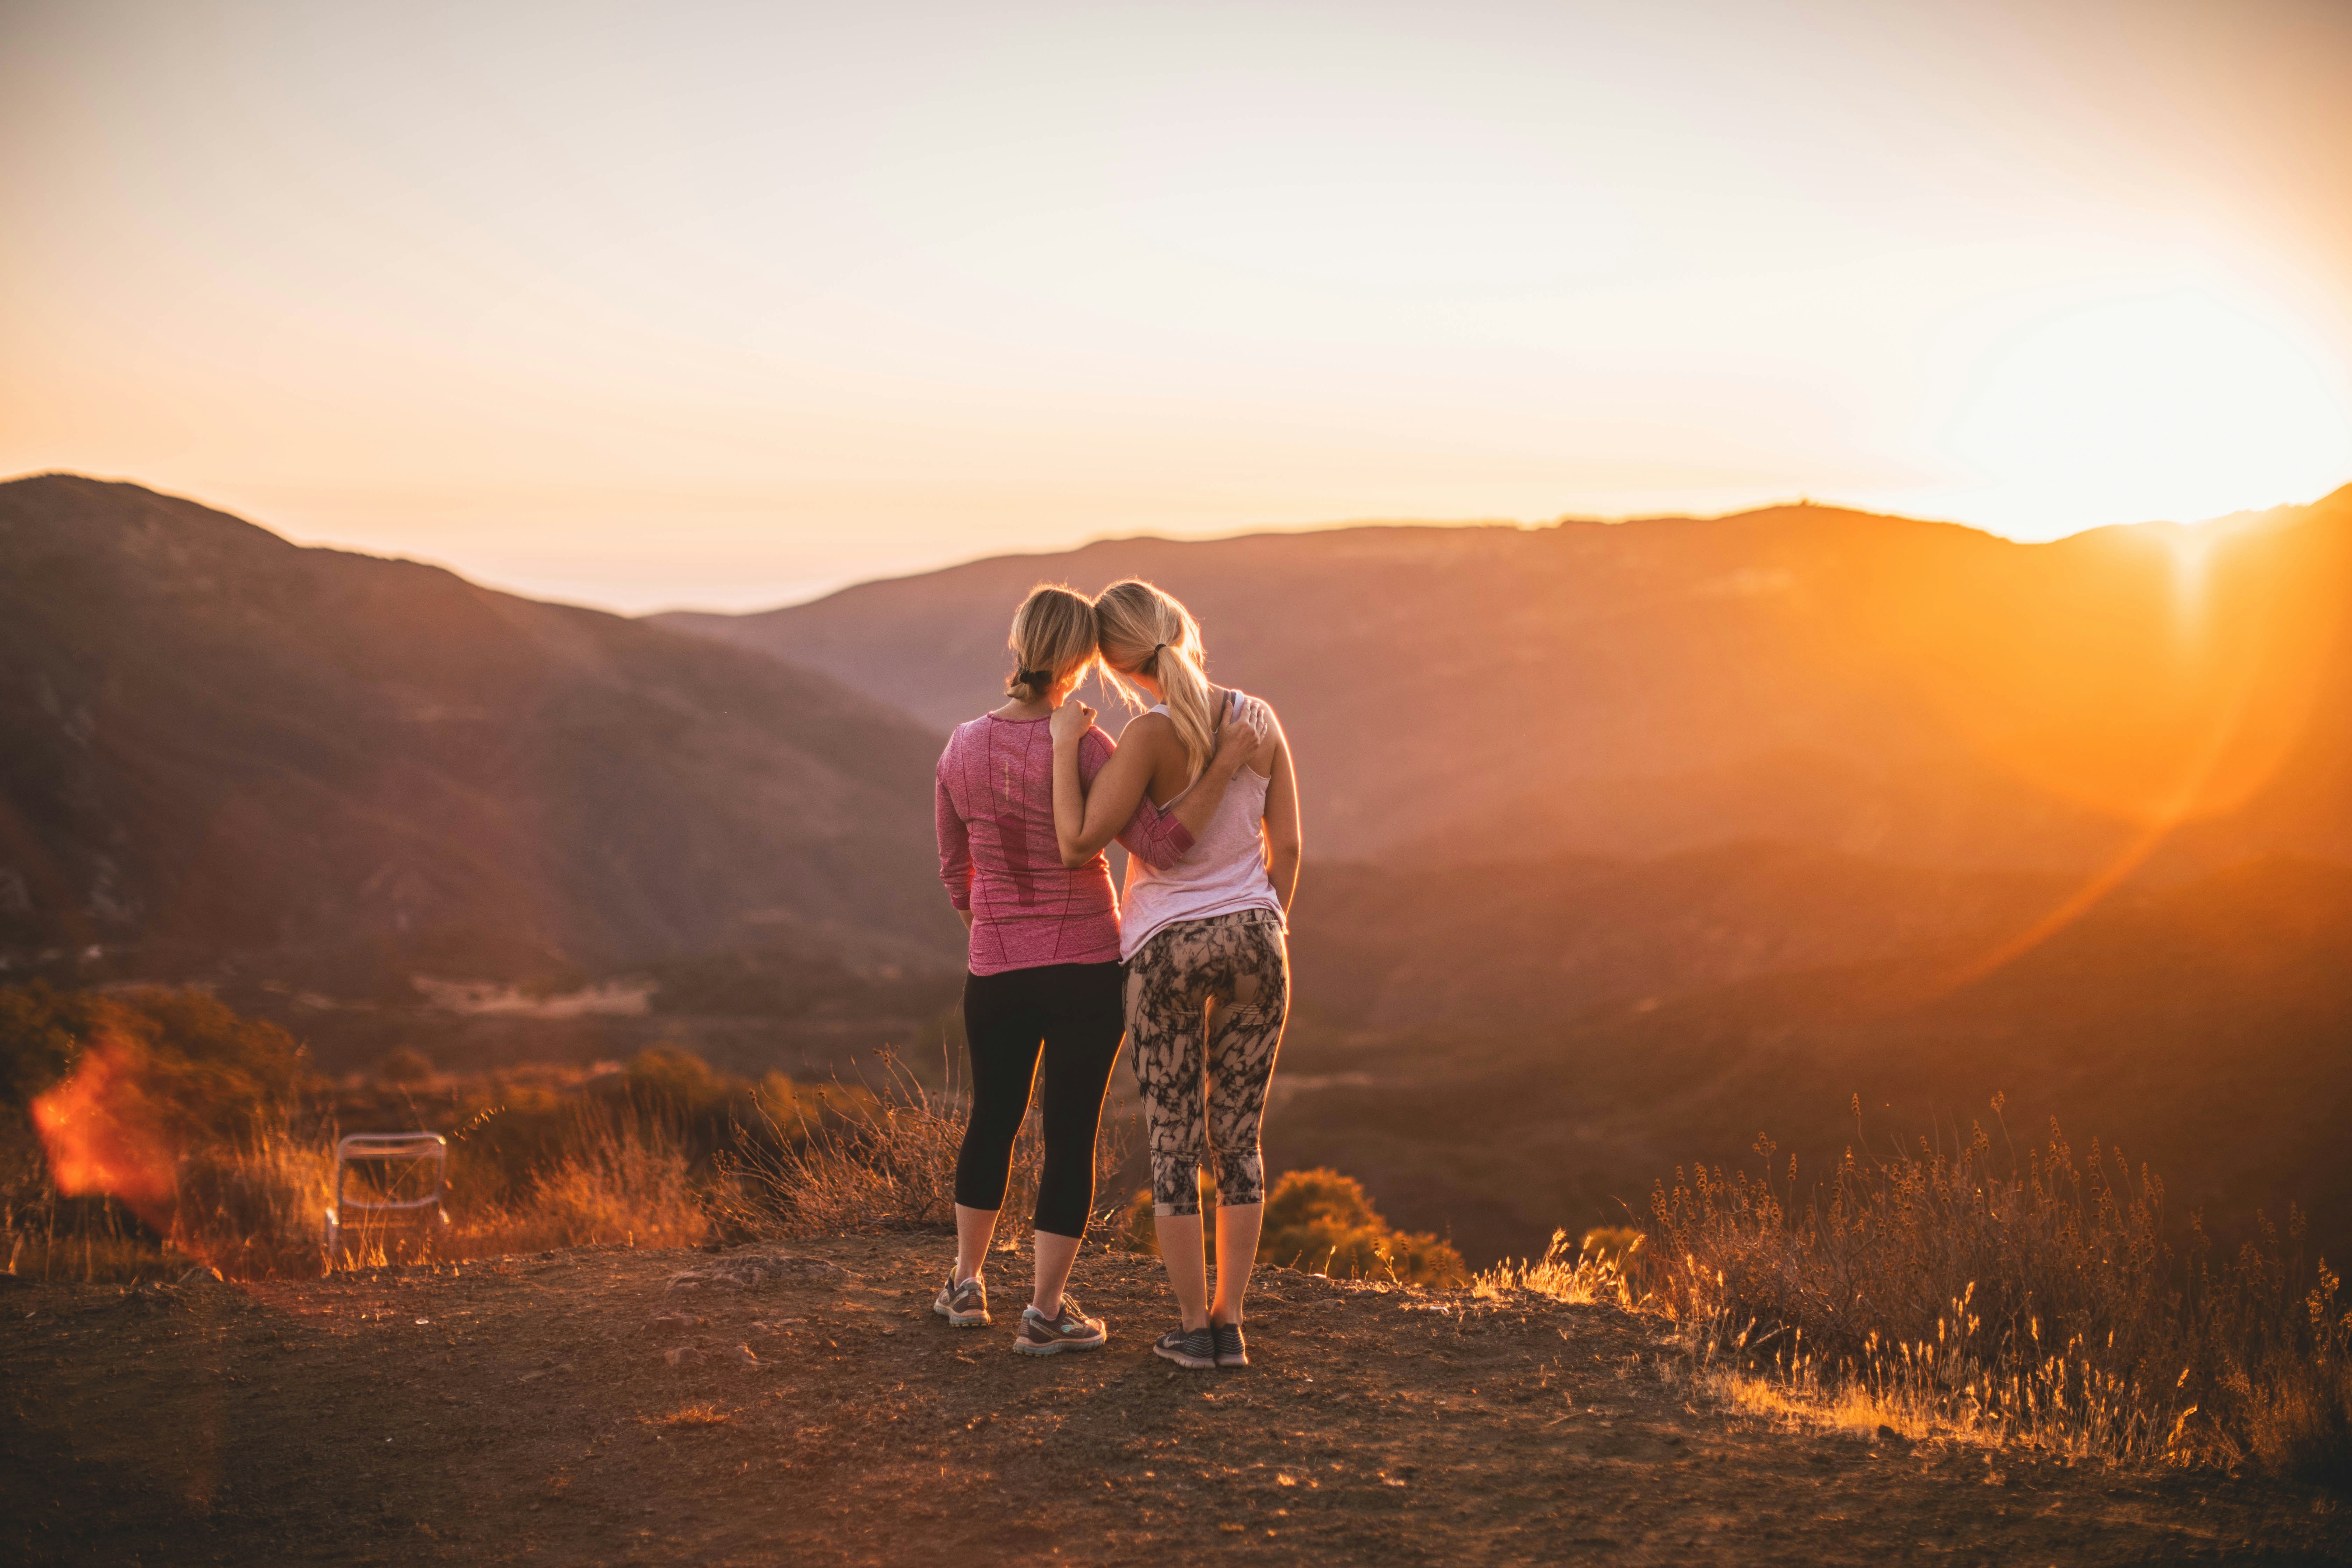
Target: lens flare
(105, 1137)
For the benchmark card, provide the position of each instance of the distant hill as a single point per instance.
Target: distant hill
(343, 769)
(1866, 684)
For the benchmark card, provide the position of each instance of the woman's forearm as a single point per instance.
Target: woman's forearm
(1198, 804)
(1088, 815)
(1282, 868)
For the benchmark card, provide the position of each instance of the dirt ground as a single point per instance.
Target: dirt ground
(524, 1410)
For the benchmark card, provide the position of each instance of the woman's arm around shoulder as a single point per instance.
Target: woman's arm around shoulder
(1088, 813)
(1086, 797)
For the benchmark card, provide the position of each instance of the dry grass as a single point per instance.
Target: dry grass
(1598, 1268)
(254, 1207)
(592, 1172)
(881, 1158)
(2044, 1301)
(619, 1178)
(622, 1179)
(881, 1161)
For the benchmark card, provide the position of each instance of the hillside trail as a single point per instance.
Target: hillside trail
(528, 1410)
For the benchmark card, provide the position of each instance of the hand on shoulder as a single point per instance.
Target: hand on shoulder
(1071, 720)
(1248, 725)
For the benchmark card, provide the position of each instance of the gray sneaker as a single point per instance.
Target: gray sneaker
(1232, 1349)
(964, 1305)
(1067, 1330)
(1195, 1348)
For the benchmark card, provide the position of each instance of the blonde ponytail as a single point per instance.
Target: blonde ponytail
(1053, 637)
(1143, 631)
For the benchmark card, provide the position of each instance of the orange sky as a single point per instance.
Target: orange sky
(724, 305)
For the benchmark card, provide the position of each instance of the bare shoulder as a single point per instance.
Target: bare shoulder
(1148, 729)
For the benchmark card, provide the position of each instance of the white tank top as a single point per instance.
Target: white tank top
(1224, 873)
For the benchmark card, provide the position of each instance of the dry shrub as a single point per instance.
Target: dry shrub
(863, 1162)
(862, 1157)
(48, 1236)
(2043, 1301)
(1320, 1221)
(1324, 1221)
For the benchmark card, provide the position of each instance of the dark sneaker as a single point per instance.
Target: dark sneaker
(963, 1305)
(1068, 1329)
(1195, 1348)
(1232, 1349)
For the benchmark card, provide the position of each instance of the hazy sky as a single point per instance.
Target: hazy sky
(721, 305)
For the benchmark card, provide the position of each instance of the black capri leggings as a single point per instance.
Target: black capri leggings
(1076, 1013)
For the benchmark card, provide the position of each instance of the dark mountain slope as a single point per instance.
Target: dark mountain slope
(1873, 685)
(1534, 942)
(215, 742)
(2205, 1026)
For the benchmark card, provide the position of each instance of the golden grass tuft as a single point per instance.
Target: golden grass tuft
(1594, 1270)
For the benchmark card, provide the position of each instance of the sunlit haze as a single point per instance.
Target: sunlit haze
(723, 306)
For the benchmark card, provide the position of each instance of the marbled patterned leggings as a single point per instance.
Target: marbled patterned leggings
(1239, 963)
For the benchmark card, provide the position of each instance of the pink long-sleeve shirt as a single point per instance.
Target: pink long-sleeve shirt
(1000, 859)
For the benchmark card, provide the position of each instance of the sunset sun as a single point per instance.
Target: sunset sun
(2172, 403)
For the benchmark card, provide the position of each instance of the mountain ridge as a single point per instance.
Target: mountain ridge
(1847, 680)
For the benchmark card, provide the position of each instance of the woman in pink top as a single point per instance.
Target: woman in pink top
(1045, 978)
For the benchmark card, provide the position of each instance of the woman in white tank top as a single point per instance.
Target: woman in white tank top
(1208, 968)
(1224, 873)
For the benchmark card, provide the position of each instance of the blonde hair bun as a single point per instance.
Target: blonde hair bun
(1053, 638)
